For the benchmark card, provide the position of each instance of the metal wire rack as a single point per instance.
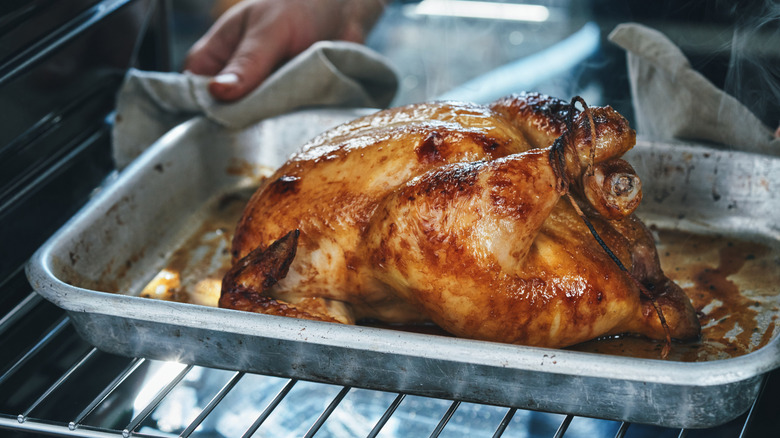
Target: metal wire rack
(56, 384)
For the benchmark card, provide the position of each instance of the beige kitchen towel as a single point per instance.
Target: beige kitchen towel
(329, 73)
(672, 100)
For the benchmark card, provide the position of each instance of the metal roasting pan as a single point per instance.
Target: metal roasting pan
(104, 256)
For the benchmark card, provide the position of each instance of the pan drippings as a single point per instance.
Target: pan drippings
(731, 281)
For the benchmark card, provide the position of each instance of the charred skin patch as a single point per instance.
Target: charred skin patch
(605, 119)
(261, 269)
(613, 135)
(448, 181)
(285, 185)
(430, 150)
(491, 146)
(442, 147)
(544, 113)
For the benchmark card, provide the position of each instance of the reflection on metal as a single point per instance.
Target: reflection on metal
(483, 9)
(44, 341)
(527, 73)
(151, 397)
(57, 384)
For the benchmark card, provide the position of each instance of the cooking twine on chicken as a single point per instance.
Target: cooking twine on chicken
(558, 162)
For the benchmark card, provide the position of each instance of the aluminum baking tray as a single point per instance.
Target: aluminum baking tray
(99, 263)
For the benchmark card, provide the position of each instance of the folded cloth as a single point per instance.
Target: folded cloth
(327, 74)
(672, 100)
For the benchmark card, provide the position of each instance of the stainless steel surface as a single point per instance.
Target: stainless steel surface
(175, 399)
(123, 237)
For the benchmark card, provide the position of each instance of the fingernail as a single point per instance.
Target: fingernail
(226, 79)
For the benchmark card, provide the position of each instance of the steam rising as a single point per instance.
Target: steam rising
(753, 75)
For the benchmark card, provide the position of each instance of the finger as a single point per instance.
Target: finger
(209, 55)
(201, 61)
(252, 62)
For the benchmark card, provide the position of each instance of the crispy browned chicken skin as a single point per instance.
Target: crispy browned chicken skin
(464, 215)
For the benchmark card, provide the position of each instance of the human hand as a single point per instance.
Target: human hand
(254, 37)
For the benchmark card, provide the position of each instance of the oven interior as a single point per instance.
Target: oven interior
(60, 66)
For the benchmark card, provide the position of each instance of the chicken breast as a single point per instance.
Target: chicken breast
(510, 222)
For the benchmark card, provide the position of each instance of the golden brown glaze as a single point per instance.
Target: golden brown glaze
(453, 213)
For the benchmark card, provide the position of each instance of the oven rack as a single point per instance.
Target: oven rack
(96, 394)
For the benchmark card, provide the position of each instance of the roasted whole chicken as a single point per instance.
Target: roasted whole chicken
(511, 222)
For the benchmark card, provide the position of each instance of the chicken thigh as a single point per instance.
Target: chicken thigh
(510, 222)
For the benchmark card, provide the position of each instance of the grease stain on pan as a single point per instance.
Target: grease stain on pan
(731, 281)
